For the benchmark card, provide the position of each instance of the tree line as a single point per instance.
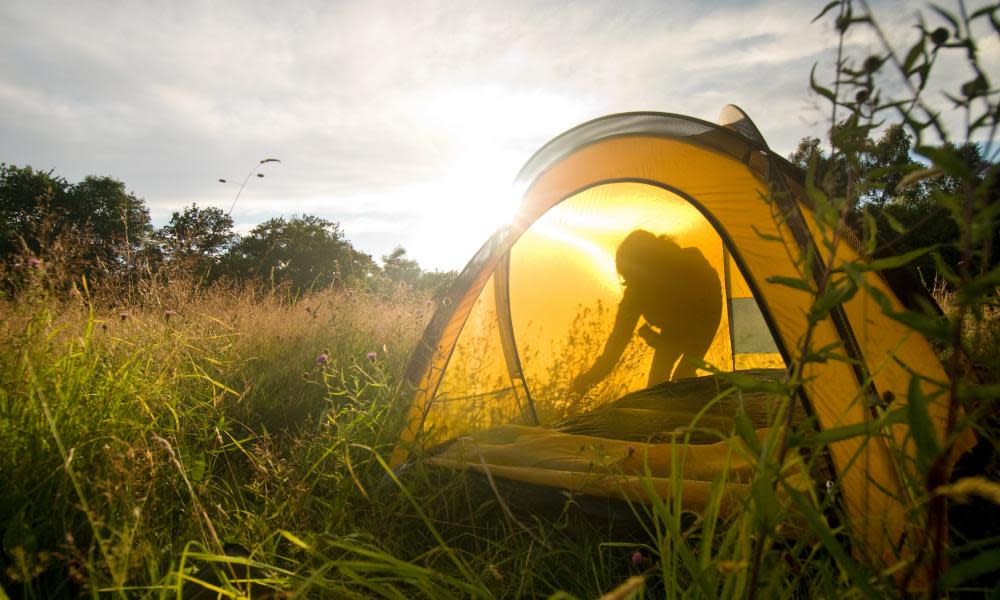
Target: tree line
(896, 198)
(99, 230)
(96, 228)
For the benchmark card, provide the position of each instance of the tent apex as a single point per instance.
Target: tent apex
(735, 118)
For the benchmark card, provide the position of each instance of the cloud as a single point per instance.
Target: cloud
(384, 114)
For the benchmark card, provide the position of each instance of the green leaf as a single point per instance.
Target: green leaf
(197, 471)
(835, 295)
(911, 57)
(931, 326)
(980, 564)
(871, 232)
(947, 16)
(822, 91)
(894, 262)
(747, 432)
(765, 501)
(948, 159)
(792, 282)
(921, 427)
(982, 287)
(825, 10)
(291, 537)
(766, 236)
(837, 434)
(893, 223)
(987, 10)
(918, 175)
(819, 528)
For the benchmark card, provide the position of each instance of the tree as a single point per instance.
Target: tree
(112, 221)
(400, 269)
(95, 226)
(195, 238)
(907, 217)
(397, 268)
(304, 252)
(25, 195)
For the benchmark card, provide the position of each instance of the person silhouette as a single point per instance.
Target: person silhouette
(677, 292)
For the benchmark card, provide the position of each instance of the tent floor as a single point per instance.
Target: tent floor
(673, 438)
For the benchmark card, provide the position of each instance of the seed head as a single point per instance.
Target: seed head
(872, 63)
(939, 36)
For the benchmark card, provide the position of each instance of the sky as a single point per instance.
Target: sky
(406, 122)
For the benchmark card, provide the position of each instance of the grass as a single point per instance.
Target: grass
(192, 446)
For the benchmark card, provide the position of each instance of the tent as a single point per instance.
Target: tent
(568, 352)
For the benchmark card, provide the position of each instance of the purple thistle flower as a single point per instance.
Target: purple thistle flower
(34, 262)
(638, 559)
(123, 315)
(372, 356)
(167, 314)
(322, 359)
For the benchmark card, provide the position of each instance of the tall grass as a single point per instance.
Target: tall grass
(198, 448)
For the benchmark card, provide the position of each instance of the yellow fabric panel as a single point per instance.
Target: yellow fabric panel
(431, 378)
(476, 391)
(730, 192)
(892, 351)
(565, 290)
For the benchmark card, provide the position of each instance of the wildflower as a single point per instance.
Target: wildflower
(167, 314)
(322, 359)
(372, 356)
(123, 315)
(34, 262)
(638, 559)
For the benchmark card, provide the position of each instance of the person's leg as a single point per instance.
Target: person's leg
(663, 363)
(692, 353)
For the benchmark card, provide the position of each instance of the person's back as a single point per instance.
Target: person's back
(674, 290)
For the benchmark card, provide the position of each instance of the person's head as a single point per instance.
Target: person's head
(642, 257)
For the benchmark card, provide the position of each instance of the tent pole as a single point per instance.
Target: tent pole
(729, 302)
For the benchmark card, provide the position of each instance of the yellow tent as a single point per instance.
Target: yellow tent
(567, 353)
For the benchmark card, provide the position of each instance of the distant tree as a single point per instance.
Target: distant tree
(398, 268)
(907, 217)
(304, 252)
(26, 195)
(195, 239)
(97, 222)
(114, 221)
(882, 164)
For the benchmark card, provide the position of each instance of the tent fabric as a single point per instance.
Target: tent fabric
(517, 340)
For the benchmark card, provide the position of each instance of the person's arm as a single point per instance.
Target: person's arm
(625, 322)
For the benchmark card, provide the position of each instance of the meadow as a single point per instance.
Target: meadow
(174, 437)
(229, 442)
